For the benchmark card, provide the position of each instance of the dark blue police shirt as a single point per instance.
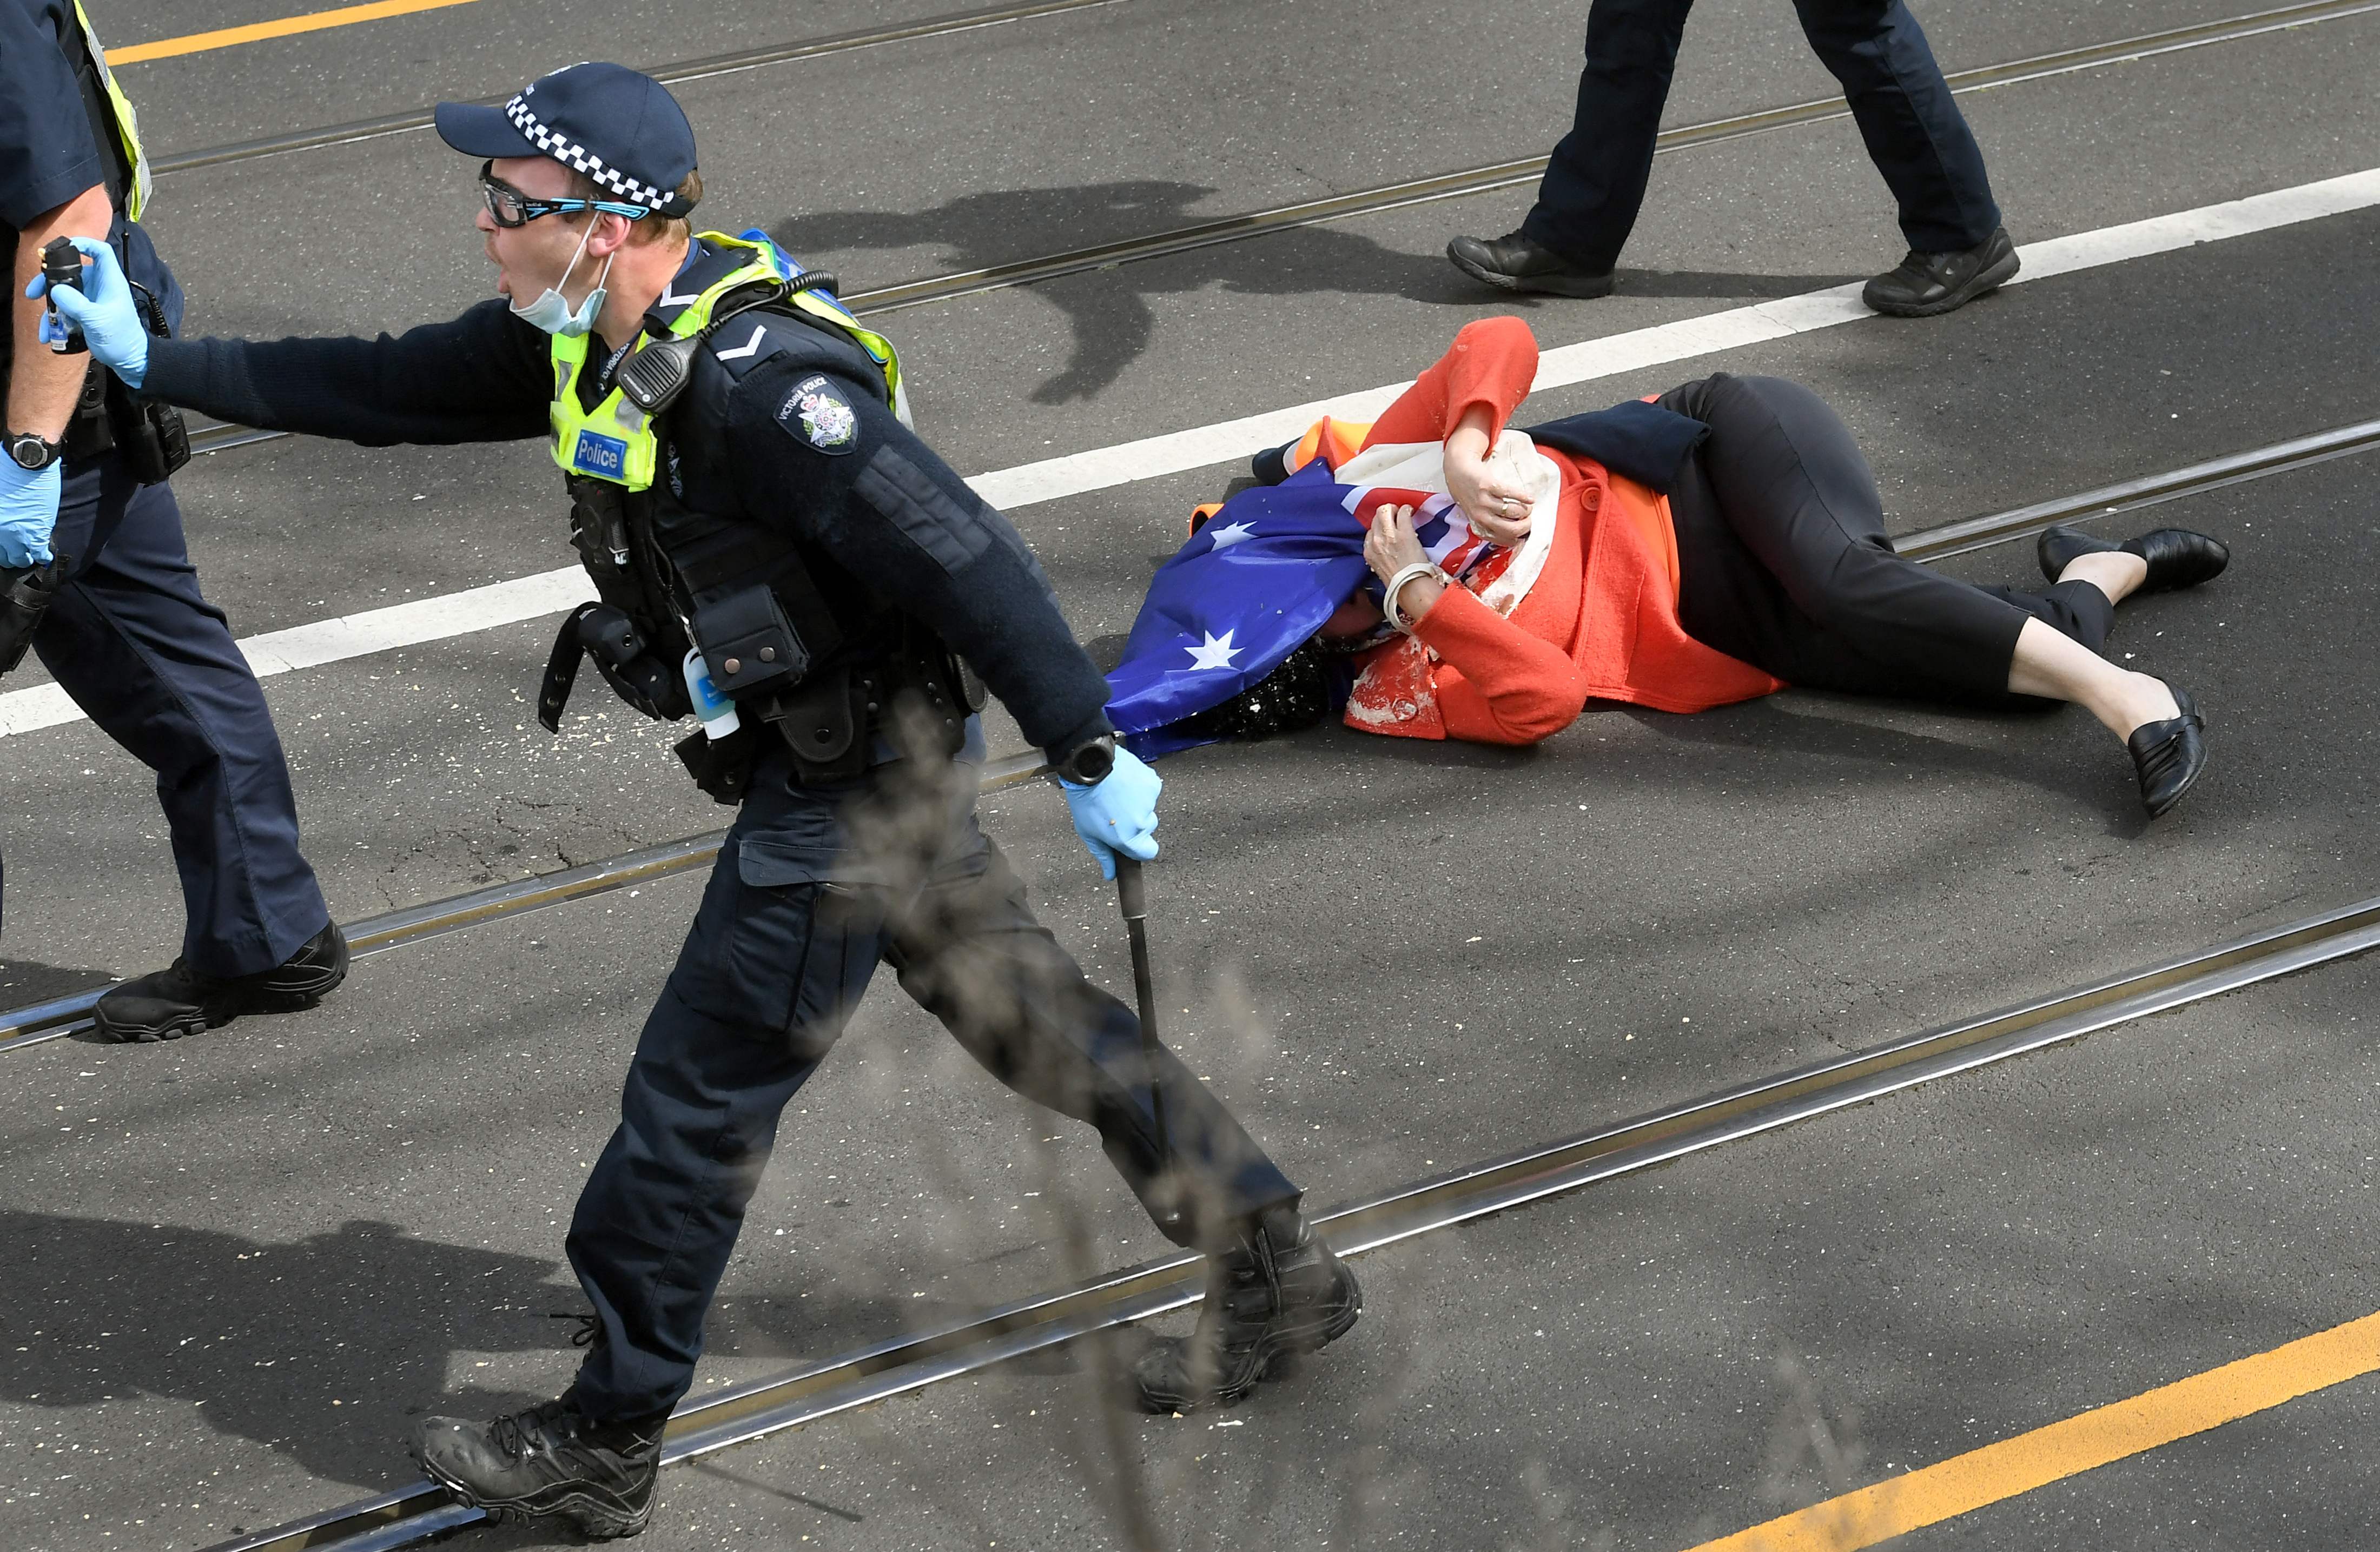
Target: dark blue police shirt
(47, 152)
(802, 449)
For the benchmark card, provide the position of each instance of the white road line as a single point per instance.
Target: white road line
(1101, 468)
(352, 636)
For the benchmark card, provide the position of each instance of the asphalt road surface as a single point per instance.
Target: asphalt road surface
(238, 1265)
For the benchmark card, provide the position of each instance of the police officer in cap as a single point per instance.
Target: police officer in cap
(775, 550)
(94, 572)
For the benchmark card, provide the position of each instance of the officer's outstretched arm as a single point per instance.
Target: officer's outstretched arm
(482, 377)
(842, 472)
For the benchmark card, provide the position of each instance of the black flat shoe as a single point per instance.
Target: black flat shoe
(2168, 755)
(1512, 262)
(2176, 557)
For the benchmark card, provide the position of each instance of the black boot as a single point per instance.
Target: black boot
(179, 1001)
(1927, 284)
(1513, 263)
(2167, 756)
(1278, 1293)
(2176, 557)
(550, 1461)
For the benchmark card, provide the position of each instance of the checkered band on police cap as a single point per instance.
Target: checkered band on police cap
(570, 154)
(618, 126)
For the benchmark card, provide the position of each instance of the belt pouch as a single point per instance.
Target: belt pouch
(151, 436)
(821, 726)
(720, 767)
(91, 430)
(749, 646)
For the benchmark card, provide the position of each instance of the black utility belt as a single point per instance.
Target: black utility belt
(110, 418)
(917, 698)
(833, 724)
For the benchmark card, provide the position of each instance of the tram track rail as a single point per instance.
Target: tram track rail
(1376, 199)
(57, 1018)
(909, 1363)
(670, 74)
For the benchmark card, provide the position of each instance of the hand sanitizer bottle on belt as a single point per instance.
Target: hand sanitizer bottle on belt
(718, 713)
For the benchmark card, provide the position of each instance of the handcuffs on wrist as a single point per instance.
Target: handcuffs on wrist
(1412, 572)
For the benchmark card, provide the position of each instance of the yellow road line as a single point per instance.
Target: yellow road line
(2062, 1449)
(228, 37)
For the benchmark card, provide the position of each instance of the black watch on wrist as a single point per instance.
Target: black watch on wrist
(1089, 763)
(32, 451)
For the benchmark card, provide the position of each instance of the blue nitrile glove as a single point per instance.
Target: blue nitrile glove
(1119, 814)
(105, 311)
(29, 510)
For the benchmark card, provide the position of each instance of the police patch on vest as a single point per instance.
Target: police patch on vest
(602, 456)
(819, 416)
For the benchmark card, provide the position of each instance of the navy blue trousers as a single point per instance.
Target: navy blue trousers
(137, 646)
(1595, 184)
(812, 888)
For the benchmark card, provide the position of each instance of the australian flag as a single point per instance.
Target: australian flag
(1248, 589)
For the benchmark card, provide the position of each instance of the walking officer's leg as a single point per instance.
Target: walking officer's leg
(1595, 180)
(970, 951)
(1921, 144)
(760, 990)
(138, 646)
(1914, 132)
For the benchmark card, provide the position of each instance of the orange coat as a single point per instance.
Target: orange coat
(1600, 621)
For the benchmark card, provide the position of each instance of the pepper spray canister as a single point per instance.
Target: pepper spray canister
(62, 265)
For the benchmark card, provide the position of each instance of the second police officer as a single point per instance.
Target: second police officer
(774, 549)
(95, 573)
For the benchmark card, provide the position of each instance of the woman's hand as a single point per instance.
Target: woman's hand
(1392, 546)
(1496, 503)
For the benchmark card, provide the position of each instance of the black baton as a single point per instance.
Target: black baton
(1134, 898)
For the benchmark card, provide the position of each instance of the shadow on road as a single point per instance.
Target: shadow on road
(1110, 319)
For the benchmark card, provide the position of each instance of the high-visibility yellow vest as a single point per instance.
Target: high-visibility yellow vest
(128, 124)
(615, 441)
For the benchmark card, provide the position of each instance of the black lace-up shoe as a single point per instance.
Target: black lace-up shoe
(1928, 283)
(2176, 557)
(1279, 1293)
(179, 1001)
(551, 1462)
(2167, 756)
(1512, 262)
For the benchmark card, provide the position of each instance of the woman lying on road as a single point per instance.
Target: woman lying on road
(1766, 564)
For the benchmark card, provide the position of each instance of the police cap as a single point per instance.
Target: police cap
(617, 126)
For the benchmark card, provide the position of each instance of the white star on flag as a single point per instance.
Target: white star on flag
(1215, 653)
(1230, 534)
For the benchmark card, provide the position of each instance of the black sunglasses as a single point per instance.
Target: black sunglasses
(510, 207)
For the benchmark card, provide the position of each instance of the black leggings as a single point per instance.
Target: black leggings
(1784, 563)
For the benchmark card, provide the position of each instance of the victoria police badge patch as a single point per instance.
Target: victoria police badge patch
(819, 416)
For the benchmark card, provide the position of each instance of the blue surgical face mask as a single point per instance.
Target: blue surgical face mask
(553, 313)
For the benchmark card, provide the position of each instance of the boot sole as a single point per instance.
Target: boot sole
(295, 994)
(1586, 289)
(1274, 1353)
(173, 1028)
(594, 1517)
(1991, 279)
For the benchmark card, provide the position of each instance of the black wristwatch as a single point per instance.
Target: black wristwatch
(34, 452)
(1089, 763)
